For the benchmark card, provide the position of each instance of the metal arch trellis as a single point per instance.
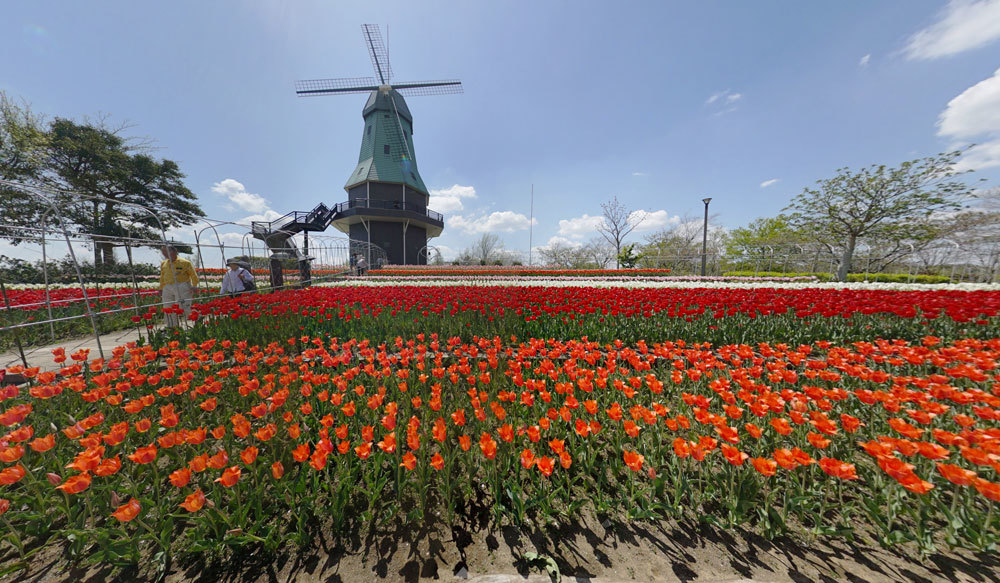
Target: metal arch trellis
(76, 265)
(335, 252)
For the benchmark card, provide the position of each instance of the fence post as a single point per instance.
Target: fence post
(17, 331)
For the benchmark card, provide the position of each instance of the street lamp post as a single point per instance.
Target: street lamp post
(704, 237)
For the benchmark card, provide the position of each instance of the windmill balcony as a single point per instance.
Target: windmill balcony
(357, 210)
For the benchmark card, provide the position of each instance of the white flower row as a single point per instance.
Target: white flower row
(603, 283)
(125, 286)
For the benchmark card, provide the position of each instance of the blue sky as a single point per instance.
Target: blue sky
(659, 103)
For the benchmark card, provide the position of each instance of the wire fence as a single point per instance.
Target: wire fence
(67, 297)
(57, 294)
(951, 264)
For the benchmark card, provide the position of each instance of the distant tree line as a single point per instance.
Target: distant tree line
(919, 217)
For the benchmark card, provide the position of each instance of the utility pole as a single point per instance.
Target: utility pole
(531, 222)
(704, 237)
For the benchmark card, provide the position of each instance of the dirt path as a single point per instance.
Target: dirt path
(615, 552)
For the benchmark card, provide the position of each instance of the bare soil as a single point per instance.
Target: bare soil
(612, 551)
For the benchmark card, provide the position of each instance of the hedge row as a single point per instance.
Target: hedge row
(875, 277)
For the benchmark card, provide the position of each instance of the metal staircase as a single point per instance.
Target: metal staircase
(277, 235)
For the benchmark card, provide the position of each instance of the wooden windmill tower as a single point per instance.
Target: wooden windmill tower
(386, 198)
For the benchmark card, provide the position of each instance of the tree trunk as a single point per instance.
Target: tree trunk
(845, 260)
(108, 251)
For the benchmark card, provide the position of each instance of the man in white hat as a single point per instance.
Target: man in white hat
(237, 280)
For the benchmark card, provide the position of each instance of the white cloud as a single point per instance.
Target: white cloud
(864, 60)
(580, 227)
(446, 200)
(238, 195)
(981, 156)
(975, 115)
(727, 97)
(268, 216)
(586, 226)
(716, 96)
(649, 221)
(447, 253)
(499, 221)
(770, 182)
(963, 25)
(640, 174)
(557, 240)
(974, 112)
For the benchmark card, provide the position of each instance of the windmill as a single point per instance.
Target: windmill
(387, 198)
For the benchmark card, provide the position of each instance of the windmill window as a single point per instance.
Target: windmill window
(369, 130)
(385, 149)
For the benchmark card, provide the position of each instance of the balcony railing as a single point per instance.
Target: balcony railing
(363, 203)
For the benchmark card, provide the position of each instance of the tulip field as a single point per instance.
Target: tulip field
(868, 414)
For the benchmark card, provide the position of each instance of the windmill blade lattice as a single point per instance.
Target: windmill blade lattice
(342, 85)
(378, 52)
(443, 87)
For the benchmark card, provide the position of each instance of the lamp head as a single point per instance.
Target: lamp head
(706, 200)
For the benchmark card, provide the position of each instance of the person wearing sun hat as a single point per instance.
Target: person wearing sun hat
(237, 279)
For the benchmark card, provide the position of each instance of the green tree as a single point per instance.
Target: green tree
(23, 143)
(762, 237)
(627, 257)
(618, 222)
(94, 160)
(88, 159)
(879, 205)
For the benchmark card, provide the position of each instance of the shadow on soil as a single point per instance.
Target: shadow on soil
(666, 551)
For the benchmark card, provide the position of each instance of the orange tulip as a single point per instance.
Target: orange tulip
(108, 467)
(194, 502)
(956, 475)
(277, 470)
(388, 443)
(527, 459)
(817, 440)
(437, 462)
(75, 484)
(301, 453)
(12, 475)
(144, 455)
(838, 469)
(988, 489)
(199, 463)
(363, 450)
(633, 460)
(465, 442)
(546, 465)
(766, 466)
(409, 460)
(785, 458)
(440, 430)
(488, 446)
(249, 455)
(127, 511)
(733, 455)
(44, 444)
(230, 476)
(180, 478)
(219, 460)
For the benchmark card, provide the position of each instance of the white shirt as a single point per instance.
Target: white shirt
(232, 281)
